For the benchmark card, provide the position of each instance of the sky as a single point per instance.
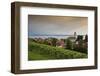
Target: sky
(56, 25)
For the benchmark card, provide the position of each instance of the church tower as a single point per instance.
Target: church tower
(75, 35)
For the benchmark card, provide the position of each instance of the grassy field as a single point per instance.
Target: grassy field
(38, 51)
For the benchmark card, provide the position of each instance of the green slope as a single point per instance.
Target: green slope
(38, 51)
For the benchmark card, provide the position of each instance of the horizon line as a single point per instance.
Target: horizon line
(55, 35)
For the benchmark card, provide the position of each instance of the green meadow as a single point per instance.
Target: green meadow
(37, 51)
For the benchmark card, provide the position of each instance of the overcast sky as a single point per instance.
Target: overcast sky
(56, 25)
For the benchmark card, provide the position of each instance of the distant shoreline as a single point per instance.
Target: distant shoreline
(52, 36)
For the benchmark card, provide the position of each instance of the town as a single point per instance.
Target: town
(75, 42)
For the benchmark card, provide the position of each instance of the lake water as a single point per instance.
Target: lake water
(52, 36)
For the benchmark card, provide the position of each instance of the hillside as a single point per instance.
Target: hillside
(38, 51)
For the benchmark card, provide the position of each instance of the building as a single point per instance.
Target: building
(60, 43)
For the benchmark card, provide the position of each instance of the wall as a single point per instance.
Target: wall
(5, 42)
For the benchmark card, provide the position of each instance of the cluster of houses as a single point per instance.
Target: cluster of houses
(77, 40)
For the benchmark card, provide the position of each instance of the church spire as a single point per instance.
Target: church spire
(75, 35)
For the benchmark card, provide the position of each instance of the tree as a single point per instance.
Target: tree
(54, 40)
(86, 38)
(68, 44)
(80, 37)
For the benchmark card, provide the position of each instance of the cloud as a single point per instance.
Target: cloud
(39, 24)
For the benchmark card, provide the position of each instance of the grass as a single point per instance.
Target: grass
(38, 51)
(37, 56)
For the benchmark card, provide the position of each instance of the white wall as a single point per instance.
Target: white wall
(5, 33)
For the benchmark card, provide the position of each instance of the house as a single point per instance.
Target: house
(60, 43)
(72, 39)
